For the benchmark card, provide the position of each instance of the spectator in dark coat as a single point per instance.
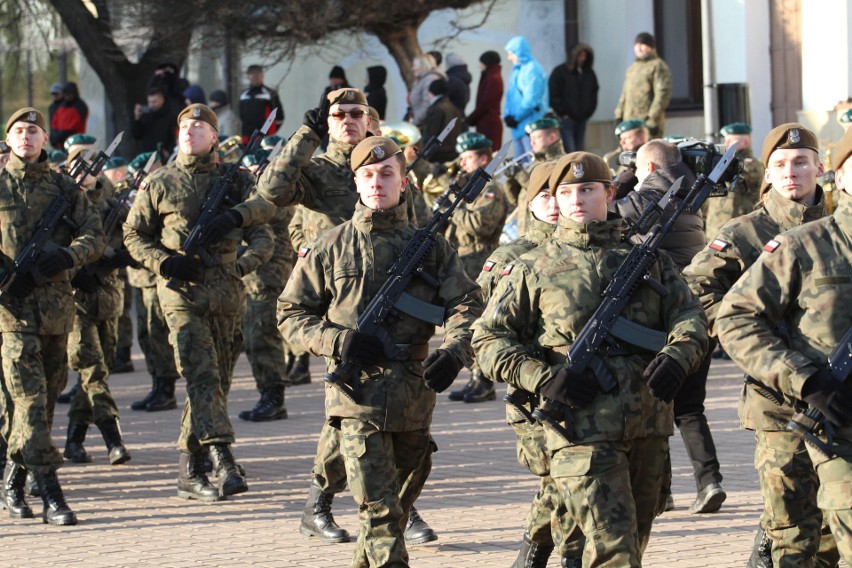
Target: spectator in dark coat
(375, 89)
(256, 104)
(458, 79)
(194, 94)
(166, 78)
(70, 116)
(573, 90)
(486, 115)
(336, 80)
(155, 124)
(55, 100)
(440, 112)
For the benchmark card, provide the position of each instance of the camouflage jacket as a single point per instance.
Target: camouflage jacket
(742, 200)
(515, 187)
(334, 281)
(537, 233)
(26, 192)
(272, 273)
(646, 93)
(801, 282)
(715, 270)
(543, 301)
(164, 213)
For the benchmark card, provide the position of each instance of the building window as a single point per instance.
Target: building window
(677, 29)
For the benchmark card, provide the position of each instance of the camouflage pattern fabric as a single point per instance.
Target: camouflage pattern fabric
(329, 470)
(125, 320)
(515, 184)
(719, 210)
(153, 334)
(646, 93)
(90, 345)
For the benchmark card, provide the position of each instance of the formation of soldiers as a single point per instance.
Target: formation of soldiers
(301, 243)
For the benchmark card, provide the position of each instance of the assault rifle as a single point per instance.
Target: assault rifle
(25, 262)
(433, 144)
(112, 218)
(811, 422)
(606, 323)
(392, 297)
(515, 162)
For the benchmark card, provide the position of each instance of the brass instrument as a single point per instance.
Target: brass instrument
(405, 133)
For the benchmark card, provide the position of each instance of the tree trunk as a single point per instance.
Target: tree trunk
(401, 41)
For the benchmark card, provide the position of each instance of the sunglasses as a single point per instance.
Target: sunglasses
(341, 114)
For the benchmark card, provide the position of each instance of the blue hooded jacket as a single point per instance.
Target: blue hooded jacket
(527, 98)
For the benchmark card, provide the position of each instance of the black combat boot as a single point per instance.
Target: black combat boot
(12, 496)
(482, 390)
(532, 555)
(227, 472)
(300, 374)
(122, 363)
(56, 511)
(164, 395)
(4, 448)
(417, 531)
(459, 394)
(572, 562)
(111, 432)
(270, 406)
(32, 486)
(192, 483)
(761, 554)
(74, 449)
(141, 404)
(317, 519)
(69, 395)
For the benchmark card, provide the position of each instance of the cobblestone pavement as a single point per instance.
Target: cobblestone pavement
(476, 498)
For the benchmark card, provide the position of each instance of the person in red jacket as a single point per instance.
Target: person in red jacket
(70, 116)
(486, 116)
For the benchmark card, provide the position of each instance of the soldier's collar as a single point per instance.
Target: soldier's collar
(339, 152)
(368, 220)
(539, 231)
(600, 233)
(193, 164)
(790, 214)
(22, 169)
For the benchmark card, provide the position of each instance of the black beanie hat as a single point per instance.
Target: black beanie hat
(490, 58)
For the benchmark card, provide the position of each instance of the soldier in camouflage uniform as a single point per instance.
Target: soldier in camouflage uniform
(647, 87)
(547, 506)
(98, 296)
(35, 319)
(788, 483)
(618, 440)
(742, 198)
(632, 134)
(201, 303)
(779, 322)
(474, 230)
(385, 436)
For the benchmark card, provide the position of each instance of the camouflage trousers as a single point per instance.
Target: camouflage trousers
(35, 371)
(91, 349)
(791, 518)
(204, 352)
(153, 334)
(547, 523)
(125, 322)
(263, 343)
(329, 470)
(386, 472)
(595, 480)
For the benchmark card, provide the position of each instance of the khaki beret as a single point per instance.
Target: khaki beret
(27, 114)
(842, 150)
(347, 96)
(374, 114)
(539, 179)
(579, 167)
(201, 112)
(372, 150)
(786, 137)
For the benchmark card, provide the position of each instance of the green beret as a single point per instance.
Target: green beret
(269, 142)
(842, 150)
(846, 117)
(472, 141)
(675, 139)
(579, 167)
(347, 96)
(115, 162)
(541, 124)
(79, 140)
(254, 159)
(57, 156)
(139, 162)
(201, 112)
(27, 114)
(735, 128)
(372, 150)
(539, 179)
(788, 136)
(627, 125)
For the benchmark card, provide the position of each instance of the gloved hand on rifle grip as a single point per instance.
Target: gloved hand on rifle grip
(220, 226)
(440, 369)
(361, 349)
(830, 396)
(120, 259)
(53, 263)
(183, 268)
(22, 286)
(665, 377)
(317, 118)
(571, 388)
(85, 280)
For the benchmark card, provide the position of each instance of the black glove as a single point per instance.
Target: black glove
(440, 369)
(53, 263)
(361, 349)
(571, 388)
(182, 268)
(625, 182)
(220, 226)
(120, 259)
(85, 280)
(22, 286)
(510, 121)
(317, 118)
(829, 396)
(665, 377)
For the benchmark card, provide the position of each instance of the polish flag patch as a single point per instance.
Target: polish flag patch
(719, 245)
(303, 252)
(488, 266)
(489, 195)
(771, 245)
(507, 270)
